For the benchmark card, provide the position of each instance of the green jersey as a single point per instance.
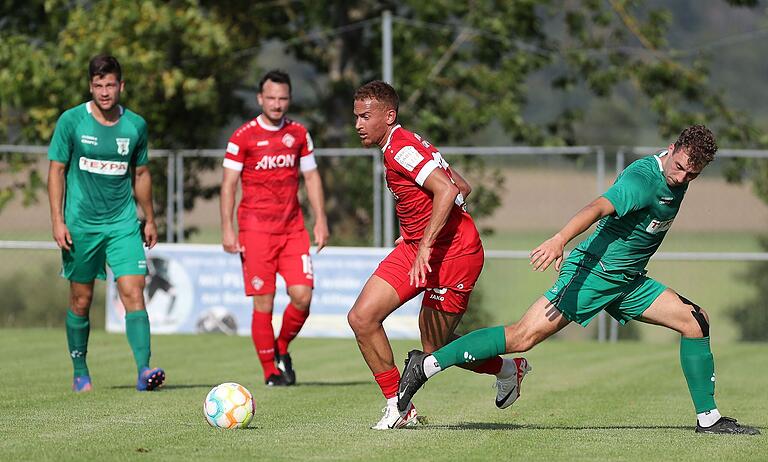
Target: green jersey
(99, 159)
(645, 209)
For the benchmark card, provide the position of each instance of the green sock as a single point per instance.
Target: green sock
(78, 328)
(699, 370)
(137, 331)
(475, 346)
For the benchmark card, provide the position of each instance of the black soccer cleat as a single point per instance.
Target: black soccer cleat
(275, 380)
(727, 426)
(285, 366)
(412, 379)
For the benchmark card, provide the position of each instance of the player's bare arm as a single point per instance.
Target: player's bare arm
(444, 194)
(464, 187)
(142, 189)
(226, 208)
(314, 185)
(56, 181)
(552, 249)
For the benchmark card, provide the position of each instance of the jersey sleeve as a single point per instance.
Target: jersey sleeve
(307, 160)
(235, 153)
(61, 146)
(142, 151)
(414, 163)
(632, 191)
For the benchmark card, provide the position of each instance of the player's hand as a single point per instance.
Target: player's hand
(418, 273)
(321, 235)
(547, 252)
(150, 234)
(399, 241)
(61, 235)
(229, 241)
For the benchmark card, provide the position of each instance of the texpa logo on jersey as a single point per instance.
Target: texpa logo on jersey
(103, 167)
(279, 161)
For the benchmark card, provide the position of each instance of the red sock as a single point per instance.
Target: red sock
(490, 366)
(388, 381)
(264, 340)
(293, 320)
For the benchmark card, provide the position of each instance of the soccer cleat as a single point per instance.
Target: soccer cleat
(508, 389)
(150, 379)
(727, 425)
(275, 380)
(285, 366)
(82, 384)
(392, 419)
(411, 380)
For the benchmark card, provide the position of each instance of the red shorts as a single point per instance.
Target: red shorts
(449, 285)
(266, 254)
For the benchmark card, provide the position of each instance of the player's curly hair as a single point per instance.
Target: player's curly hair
(381, 92)
(699, 141)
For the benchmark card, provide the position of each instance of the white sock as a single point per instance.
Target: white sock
(508, 369)
(707, 419)
(392, 402)
(431, 367)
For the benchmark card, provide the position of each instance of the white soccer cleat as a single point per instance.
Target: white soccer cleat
(508, 390)
(392, 420)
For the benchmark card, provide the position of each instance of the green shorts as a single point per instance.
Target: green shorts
(121, 248)
(584, 288)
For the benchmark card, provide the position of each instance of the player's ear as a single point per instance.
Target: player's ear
(122, 85)
(391, 116)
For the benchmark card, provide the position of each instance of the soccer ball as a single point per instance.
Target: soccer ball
(229, 405)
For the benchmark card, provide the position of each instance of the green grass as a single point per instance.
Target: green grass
(584, 401)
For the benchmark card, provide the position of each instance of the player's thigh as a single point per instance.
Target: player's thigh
(259, 261)
(86, 258)
(639, 294)
(130, 287)
(393, 270)
(542, 320)
(671, 310)
(125, 252)
(437, 327)
(376, 301)
(293, 262)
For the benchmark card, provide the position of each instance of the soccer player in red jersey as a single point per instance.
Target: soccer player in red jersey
(267, 154)
(439, 250)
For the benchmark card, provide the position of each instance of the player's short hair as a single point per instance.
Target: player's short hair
(381, 92)
(277, 76)
(699, 141)
(102, 65)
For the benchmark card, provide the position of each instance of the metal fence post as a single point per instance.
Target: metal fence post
(170, 188)
(377, 193)
(602, 323)
(180, 197)
(613, 335)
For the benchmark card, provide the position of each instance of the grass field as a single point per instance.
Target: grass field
(583, 401)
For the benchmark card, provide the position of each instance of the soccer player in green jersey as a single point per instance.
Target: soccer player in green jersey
(606, 272)
(98, 162)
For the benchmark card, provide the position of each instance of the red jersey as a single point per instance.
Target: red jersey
(409, 160)
(269, 159)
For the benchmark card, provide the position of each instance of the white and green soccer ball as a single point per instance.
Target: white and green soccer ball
(229, 405)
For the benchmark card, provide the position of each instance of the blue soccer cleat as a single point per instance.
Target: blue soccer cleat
(82, 384)
(150, 379)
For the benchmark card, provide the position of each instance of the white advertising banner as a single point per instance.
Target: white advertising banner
(199, 288)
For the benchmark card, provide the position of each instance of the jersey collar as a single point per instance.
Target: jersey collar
(270, 127)
(658, 158)
(90, 111)
(389, 138)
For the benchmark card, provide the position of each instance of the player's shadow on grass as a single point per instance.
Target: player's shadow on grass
(503, 426)
(351, 383)
(167, 387)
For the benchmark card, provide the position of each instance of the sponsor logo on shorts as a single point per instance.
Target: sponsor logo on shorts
(123, 146)
(142, 263)
(103, 167)
(257, 283)
(657, 226)
(460, 286)
(664, 200)
(282, 160)
(437, 293)
(88, 139)
(288, 140)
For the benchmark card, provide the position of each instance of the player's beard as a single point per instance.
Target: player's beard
(109, 104)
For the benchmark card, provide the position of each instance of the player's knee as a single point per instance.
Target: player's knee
(698, 326)
(134, 297)
(517, 339)
(80, 303)
(301, 301)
